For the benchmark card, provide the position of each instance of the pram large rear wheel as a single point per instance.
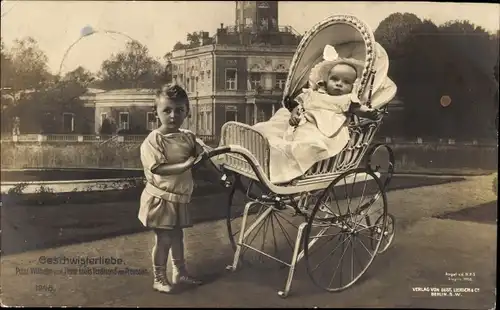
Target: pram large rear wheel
(273, 233)
(339, 244)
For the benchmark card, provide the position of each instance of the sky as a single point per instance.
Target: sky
(55, 25)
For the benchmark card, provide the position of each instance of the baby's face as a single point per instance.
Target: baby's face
(340, 80)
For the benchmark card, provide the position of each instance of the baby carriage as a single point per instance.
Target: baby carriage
(331, 225)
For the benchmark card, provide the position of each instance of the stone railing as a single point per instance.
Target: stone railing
(211, 139)
(74, 138)
(435, 141)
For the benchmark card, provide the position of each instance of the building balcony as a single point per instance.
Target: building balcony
(251, 93)
(233, 29)
(265, 92)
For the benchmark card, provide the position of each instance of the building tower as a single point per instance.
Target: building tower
(257, 16)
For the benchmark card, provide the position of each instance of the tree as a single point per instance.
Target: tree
(456, 59)
(80, 75)
(474, 53)
(24, 72)
(194, 39)
(394, 30)
(131, 68)
(29, 65)
(179, 46)
(6, 65)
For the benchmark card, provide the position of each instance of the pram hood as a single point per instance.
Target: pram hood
(353, 39)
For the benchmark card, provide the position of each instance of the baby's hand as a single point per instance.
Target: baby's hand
(295, 117)
(364, 111)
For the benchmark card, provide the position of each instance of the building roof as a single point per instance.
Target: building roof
(94, 91)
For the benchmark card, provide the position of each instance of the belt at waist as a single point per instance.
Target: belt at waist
(173, 197)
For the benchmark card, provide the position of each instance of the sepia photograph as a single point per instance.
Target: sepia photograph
(249, 154)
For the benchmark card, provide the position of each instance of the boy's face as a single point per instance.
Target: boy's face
(171, 113)
(340, 80)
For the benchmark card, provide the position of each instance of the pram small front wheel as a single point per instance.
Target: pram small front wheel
(386, 234)
(339, 230)
(380, 159)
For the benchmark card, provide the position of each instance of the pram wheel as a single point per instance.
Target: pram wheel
(273, 232)
(380, 159)
(339, 230)
(386, 234)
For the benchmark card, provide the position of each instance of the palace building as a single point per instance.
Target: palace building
(240, 76)
(237, 75)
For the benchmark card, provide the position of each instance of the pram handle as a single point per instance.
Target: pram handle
(217, 151)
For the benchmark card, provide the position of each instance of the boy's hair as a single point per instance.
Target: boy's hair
(173, 92)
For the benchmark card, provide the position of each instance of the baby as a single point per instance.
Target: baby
(333, 92)
(314, 127)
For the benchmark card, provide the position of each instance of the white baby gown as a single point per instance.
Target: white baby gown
(321, 135)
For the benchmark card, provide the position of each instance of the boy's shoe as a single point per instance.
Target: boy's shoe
(179, 277)
(160, 282)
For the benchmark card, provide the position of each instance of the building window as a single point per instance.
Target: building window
(264, 24)
(188, 85)
(124, 121)
(209, 77)
(261, 116)
(209, 121)
(231, 79)
(202, 121)
(280, 81)
(195, 84)
(202, 80)
(181, 79)
(231, 113)
(151, 121)
(255, 80)
(103, 117)
(68, 122)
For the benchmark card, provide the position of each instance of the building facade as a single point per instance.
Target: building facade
(238, 75)
(126, 110)
(242, 76)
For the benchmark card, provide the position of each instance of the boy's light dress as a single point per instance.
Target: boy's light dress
(164, 201)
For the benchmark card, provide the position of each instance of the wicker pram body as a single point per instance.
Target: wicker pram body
(336, 30)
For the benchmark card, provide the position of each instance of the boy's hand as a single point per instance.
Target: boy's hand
(295, 117)
(190, 161)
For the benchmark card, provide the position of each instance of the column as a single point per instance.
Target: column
(255, 113)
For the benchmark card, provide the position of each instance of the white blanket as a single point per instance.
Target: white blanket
(322, 135)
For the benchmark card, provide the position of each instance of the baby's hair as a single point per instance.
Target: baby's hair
(172, 92)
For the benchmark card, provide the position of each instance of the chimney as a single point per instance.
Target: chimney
(221, 25)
